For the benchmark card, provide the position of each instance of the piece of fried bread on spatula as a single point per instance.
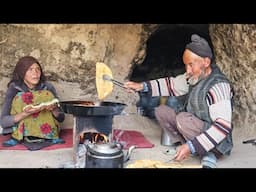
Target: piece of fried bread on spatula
(104, 88)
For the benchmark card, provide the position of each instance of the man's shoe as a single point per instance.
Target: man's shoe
(209, 161)
(10, 143)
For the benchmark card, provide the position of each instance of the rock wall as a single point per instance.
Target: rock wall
(235, 49)
(68, 54)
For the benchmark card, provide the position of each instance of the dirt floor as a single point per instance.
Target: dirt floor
(242, 156)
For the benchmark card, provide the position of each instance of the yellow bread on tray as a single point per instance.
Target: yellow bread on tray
(54, 101)
(159, 164)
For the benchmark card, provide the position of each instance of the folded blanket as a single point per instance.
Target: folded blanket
(130, 137)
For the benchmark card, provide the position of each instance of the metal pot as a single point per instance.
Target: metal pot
(106, 155)
(165, 138)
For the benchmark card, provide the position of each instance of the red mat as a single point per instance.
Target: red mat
(130, 137)
(65, 134)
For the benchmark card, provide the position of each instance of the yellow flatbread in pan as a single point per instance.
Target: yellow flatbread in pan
(104, 88)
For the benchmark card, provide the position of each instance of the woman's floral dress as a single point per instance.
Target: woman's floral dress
(41, 124)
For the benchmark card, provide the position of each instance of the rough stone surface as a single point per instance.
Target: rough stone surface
(235, 49)
(68, 53)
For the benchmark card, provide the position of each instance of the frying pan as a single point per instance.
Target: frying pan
(102, 109)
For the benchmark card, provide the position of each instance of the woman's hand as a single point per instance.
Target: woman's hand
(26, 112)
(31, 110)
(50, 107)
(133, 86)
(54, 109)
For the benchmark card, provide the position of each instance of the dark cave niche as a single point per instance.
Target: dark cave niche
(164, 51)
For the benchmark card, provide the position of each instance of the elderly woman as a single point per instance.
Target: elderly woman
(28, 88)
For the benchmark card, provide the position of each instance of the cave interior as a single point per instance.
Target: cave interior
(164, 49)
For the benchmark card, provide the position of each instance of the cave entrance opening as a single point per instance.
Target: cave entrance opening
(164, 51)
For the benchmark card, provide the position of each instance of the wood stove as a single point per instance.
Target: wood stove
(90, 116)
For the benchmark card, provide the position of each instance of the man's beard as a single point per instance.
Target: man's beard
(193, 81)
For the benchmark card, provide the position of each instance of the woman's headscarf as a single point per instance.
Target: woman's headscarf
(21, 68)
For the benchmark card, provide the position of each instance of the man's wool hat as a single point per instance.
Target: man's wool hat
(199, 46)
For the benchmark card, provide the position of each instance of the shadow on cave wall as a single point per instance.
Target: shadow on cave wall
(164, 51)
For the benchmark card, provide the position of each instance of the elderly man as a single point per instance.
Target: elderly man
(203, 124)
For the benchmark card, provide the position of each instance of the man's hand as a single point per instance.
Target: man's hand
(133, 86)
(183, 152)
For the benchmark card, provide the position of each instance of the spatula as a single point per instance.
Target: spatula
(108, 78)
